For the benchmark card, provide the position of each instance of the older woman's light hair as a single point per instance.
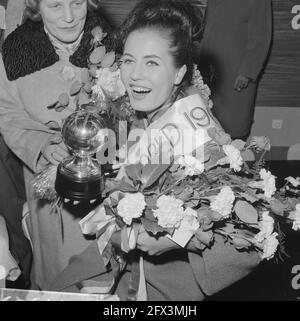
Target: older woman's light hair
(32, 8)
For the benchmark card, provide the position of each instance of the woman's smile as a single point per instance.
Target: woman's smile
(139, 92)
(148, 70)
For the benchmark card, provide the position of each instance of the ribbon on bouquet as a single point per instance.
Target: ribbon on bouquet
(183, 127)
(98, 223)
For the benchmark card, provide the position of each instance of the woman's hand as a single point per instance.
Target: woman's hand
(55, 150)
(153, 245)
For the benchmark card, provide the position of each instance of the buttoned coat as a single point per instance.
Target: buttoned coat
(32, 76)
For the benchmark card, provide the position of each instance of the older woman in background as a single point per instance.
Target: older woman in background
(40, 60)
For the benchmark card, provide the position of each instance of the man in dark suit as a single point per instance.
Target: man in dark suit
(235, 44)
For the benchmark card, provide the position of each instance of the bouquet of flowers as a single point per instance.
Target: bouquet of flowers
(189, 199)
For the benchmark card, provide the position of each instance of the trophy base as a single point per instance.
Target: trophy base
(78, 189)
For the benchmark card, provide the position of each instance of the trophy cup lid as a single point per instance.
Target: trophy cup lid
(83, 132)
(79, 177)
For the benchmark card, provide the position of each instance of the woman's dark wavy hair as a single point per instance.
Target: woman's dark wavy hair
(175, 17)
(32, 8)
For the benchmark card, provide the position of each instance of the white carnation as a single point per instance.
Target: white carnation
(131, 206)
(270, 246)
(187, 228)
(266, 237)
(294, 181)
(296, 223)
(234, 157)
(170, 211)
(269, 182)
(110, 82)
(192, 166)
(223, 202)
(190, 220)
(266, 226)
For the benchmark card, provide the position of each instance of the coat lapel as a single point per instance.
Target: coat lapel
(28, 49)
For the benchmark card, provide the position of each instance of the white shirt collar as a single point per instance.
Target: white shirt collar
(69, 48)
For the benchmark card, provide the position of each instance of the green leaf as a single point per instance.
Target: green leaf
(120, 185)
(108, 59)
(191, 203)
(52, 106)
(150, 173)
(291, 202)
(201, 212)
(205, 237)
(97, 55)
(206, 223)
(109, 211)
(178, 189)
(87, 88)
(93, 70)
(60, 108)
(245, 233)
(180, 175)
(149, 215)
(83, 98)
(239, 144)
(75, 88)
(85, 76)
(228, 228)
(114, 67)
(277, 207)
(174, 168)
(151, 201)
(63, 99)
(53, 125)
(249, 197)
(152, 226)
(186, 193)
(246, 212)
(134, 172)
(214, 216)
(240, 243)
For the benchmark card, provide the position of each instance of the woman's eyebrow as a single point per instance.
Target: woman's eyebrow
(128, 54)
(152, 56)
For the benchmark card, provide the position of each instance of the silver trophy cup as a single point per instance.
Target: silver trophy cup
(79, 177)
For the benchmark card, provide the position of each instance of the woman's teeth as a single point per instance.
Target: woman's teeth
(139, 90)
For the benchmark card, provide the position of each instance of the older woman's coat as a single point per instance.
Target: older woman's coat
(32, 76)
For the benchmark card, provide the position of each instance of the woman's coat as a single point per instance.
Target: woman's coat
(32, 76)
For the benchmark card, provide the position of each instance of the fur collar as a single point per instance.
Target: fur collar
(28, 49)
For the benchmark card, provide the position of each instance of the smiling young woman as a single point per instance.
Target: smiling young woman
(157, 70)
(148, 71)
